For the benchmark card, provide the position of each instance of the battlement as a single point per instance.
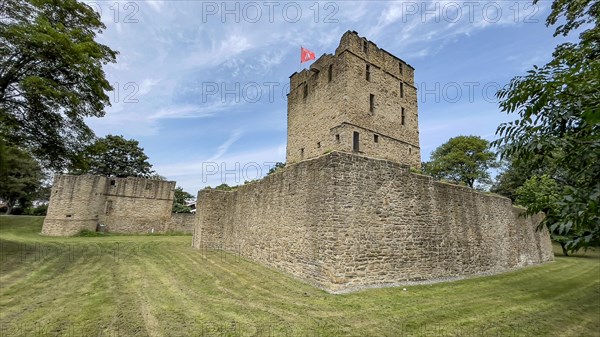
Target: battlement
(361, 99)
(360, 47)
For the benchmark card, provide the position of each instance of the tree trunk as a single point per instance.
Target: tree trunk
(564, 249)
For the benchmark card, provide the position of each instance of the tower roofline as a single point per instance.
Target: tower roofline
(374, 44)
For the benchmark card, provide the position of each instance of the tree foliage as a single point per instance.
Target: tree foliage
(514, 173)
(20, 177)
(51, 76)
(114, 156)
(558, 106)
(463, 159)
(278, 166)
(180, 201)
(541, 194)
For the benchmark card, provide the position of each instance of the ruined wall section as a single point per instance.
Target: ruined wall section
(75, 204)
(344, 222)
(138, 205)
(125, 205)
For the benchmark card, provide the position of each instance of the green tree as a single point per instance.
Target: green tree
(180, 201)
(278, 166)
(114, 156)
(558, 108)
(513, 175)
(225, 187)
(51, 76)
(463, 159)
(20, 177)
(540, 194)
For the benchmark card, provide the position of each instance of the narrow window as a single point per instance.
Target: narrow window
(330, 73)
(305, 93)
(401, 89)
(368, 72)
(365, 46)
(409, 150)
(400, 68)
(402, 116)
(113, 182)
(319, 145)
(337, 138)
(372, 103)
(376, 138)
(109, 206)
(355, 141)
(302, 153)
(69, 215)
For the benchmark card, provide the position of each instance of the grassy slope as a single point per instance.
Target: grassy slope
(159, 286)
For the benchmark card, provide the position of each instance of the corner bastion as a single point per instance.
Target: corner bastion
(122, 205)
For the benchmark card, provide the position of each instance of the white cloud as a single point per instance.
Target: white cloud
(146, 86)
(222, 149)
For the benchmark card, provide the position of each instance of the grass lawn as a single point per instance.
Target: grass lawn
(160, 286)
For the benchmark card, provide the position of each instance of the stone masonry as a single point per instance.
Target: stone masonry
(347, 212)
(124, 205)
(343, 221)
(361, 100)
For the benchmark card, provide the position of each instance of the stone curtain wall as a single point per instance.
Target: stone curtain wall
(344, 222)
(274, 221)
(125, 205)
(181, 222)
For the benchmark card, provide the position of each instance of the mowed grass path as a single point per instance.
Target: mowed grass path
(160, 286)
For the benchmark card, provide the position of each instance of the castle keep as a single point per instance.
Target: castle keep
(361, 100)
(347, 212)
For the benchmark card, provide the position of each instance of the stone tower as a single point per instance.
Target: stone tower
(360, 100)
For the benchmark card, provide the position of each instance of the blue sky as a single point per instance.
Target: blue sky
(201, 85)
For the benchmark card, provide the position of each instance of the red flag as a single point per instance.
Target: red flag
(306, 55)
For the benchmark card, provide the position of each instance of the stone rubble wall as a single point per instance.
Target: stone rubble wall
(123, 205)
(344, 222)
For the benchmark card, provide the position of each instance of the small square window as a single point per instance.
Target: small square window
(337, 138)
(319, 145)
(113, 182)
(376, 138)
